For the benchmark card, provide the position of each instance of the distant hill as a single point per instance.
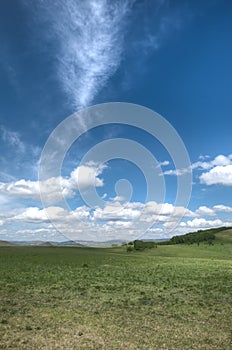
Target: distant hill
(6, 243)
(46, 243)
(63, 243)
(217, 235)
(69, 244)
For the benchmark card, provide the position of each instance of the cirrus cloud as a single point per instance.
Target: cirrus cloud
(89, 36)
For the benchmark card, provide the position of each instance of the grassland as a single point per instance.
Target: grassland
(170, 297)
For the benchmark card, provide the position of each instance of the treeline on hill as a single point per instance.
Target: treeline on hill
(204, 236)
(207, 236)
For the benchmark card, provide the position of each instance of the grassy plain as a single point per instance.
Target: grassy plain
(170, 297)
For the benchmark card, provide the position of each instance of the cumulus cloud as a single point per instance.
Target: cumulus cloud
(203, 210)
(140, 214)
(115, 211)
(166, 209)
(219, 175)
(54, 214)
(21, 188)
(222, 160)
(36, 215)
(112, 221)
(56, 188)
(218, 160)
(199, 223)
(219, 170)
(88, 175)
(223, 208)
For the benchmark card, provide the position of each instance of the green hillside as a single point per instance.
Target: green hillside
(224, 236)
(210, 236)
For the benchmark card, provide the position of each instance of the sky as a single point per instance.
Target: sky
(117, 180)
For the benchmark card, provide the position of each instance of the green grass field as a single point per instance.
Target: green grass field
(170, 297)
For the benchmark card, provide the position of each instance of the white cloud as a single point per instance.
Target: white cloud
(119, 224)
(166, 209)
(203, 210)
(32, 214)
(164, 163)
(21, 188)
(220, 160)
(51, 214)
(56, 188)
(155, 208)
(36, 215)
(204, 157)
(223, 208)
(199, 223)
(221, 175)
(155, 230)
(201, 165)
(177, 172)
(90, 39)
(115, 211)
(113, 221)
(117, 199)
(87, 175)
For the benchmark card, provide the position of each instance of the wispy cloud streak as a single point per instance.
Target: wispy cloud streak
(12, 138)
(90, 44)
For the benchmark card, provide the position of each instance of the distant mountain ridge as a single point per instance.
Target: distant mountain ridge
(63, 243)
(5, 243)
(222, 235)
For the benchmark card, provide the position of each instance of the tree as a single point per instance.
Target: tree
(141, 245)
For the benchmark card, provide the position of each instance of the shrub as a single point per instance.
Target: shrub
(129, 249)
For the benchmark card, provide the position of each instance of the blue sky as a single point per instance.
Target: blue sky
(173, 57)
